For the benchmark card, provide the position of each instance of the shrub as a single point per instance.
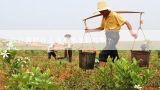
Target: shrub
(121, 75)
(129, 74)
(19, 64)
(154, 80)
(79, 80)
(104, 77)
(34, 80)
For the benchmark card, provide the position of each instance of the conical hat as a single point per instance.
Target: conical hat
(101, 5)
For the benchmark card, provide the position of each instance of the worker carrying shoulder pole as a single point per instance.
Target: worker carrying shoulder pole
(111, 23)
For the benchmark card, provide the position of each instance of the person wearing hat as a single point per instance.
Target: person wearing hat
(68, 47)
(111, 23)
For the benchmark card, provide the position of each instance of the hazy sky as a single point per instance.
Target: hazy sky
(68, 15)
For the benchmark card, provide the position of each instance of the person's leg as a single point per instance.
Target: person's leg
(70, 55)
(107, 34)
(114, 38)
(65, 53)
(53, 54)
(103, 57)
(114, 55)
(49, 55)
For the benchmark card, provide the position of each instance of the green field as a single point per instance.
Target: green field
(62, 75)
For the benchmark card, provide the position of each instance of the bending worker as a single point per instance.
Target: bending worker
(51, 51)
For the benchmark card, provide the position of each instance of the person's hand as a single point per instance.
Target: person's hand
(86, 30)
(84, 19)
(135, 35)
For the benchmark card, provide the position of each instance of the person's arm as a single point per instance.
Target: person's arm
(130, 30)
(94, 30)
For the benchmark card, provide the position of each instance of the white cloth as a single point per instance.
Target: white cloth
(51, 48)
(67, 43)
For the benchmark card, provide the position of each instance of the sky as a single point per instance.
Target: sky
(36, 18)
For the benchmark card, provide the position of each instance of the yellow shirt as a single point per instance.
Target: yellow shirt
(113, 22)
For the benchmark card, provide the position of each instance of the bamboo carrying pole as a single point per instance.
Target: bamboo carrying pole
(130, 12)
(114, 11)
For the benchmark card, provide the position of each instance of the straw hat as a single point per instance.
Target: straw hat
(67, 35)
(101, 5)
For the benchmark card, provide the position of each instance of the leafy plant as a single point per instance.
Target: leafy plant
(128, 74)
(154, 80)
(104, 78)
(34, 80)
(8, 54)
(79, 80)
(13, 64)
(18, 64)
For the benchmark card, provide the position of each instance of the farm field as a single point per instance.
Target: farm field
(61, 45)
(39, 73)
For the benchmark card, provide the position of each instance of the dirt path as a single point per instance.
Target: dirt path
(2, 81)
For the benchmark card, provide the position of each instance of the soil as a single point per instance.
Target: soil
(2, 81)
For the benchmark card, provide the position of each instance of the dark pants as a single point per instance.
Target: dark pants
(51, 53)
(68, 54)
(104, 54)
(110, 48)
